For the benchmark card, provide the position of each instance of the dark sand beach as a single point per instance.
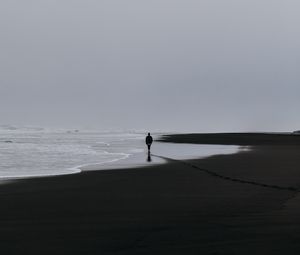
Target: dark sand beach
(244, 203)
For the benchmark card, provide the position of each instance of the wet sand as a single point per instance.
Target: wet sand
(245, 203)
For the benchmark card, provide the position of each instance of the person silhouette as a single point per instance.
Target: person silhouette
(149, 141)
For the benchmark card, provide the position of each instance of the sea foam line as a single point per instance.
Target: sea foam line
(30, 176)
(90, 165)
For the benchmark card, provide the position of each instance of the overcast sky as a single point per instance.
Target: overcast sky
(203, 65)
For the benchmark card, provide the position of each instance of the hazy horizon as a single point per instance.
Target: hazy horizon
(206, 66)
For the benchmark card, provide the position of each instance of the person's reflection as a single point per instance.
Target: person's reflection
(149, 159)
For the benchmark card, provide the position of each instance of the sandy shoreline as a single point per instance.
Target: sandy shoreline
(163, 209)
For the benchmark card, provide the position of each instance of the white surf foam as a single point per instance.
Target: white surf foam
(26, 154)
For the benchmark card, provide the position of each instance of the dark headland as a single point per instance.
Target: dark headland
(244, 203)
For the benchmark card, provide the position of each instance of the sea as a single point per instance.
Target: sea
(34, 151)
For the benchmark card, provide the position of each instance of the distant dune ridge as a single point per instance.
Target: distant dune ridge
(235, 138)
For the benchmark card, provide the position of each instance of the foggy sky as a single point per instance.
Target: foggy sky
(203, 65)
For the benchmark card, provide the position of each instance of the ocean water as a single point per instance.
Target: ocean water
(28, 152)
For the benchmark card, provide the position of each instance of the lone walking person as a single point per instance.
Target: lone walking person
(149, 141)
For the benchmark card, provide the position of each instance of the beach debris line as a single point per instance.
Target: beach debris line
(228, 178)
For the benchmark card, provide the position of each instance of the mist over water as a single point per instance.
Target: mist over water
(201, 66)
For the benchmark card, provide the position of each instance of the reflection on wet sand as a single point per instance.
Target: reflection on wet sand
(149, 159)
